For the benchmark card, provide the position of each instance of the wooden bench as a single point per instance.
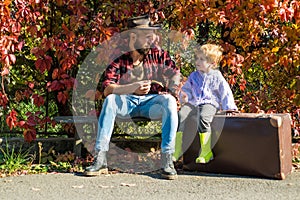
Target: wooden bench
(118, 134)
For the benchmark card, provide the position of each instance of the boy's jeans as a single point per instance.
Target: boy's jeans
(152, 106)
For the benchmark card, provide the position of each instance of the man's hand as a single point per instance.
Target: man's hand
(142, 87)
(138, 88)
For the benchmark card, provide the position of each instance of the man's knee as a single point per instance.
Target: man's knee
(111, 101)
(169, 100)
(111, 97)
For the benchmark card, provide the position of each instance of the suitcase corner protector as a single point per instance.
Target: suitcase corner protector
(276, 121)
(280, 176)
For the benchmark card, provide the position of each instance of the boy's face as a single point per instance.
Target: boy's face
(202, 63)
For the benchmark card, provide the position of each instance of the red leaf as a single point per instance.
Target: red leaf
(80, 48)
(55, 73)
(38, 100)
(62, 97)
(43, 64)
(39, 65)
(231, 80)
(20, 45)
(239, 70)
(6, 60)
(31, 85)
(48, 61)
(36, 51)
(11, 119)
(27, 93)
(55, 85)
(29, 135)
(12, 58)
(31, 121)
(22, 123)
(5, 71)
(243, 84)
(31, 29)
(69, 83)
(64, 76)
(47, 44)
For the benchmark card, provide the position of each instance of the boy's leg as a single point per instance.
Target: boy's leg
(205, 154)
(205, 115)
(178, 145)
(183, 115)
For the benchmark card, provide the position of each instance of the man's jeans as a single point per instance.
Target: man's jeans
(152, 106)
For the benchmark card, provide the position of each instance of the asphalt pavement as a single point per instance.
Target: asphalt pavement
(189, 185)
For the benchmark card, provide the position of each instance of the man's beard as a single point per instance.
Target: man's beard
(143, 51)
(138, 47)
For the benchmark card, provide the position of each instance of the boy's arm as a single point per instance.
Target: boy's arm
(226, 95)
(185, 94)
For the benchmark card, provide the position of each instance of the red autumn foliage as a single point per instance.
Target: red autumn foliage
(12, 120)
(43, 44)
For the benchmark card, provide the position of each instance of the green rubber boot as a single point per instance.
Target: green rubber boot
(206, 153)
(178, 146)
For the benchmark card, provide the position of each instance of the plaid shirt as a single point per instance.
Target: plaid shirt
(157, 64)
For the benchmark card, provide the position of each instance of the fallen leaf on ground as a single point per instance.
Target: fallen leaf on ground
(128, 184)
(77, 186)
(105, 186)
(35, 189)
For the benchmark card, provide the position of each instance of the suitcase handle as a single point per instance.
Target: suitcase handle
(228, 112)
(237, 113)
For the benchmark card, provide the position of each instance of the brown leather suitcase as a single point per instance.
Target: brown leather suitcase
(243, 144)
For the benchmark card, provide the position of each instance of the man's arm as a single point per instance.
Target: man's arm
(173, 73)
(138, 88)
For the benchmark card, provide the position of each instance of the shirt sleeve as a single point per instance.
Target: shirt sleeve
(226, 95)
(171, 72)
(186, 90)
(111, 74)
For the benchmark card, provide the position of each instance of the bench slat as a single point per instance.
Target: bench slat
(93, 119)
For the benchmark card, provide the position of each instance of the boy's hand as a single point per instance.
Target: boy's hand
(184, 97)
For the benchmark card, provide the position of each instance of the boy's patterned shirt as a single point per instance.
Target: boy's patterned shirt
(209, 88)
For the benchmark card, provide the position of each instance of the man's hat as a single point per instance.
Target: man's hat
(141, 22)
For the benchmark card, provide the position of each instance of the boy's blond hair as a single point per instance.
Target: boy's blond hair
(212, 52)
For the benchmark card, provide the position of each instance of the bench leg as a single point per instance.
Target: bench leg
(77, 144)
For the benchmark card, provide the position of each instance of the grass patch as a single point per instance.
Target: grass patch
(13, 159)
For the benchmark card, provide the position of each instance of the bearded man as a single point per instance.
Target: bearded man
(129, 93)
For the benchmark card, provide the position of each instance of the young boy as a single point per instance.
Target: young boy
(205, 91)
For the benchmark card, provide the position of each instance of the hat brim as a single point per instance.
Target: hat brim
(147, 27)
(126, 33)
